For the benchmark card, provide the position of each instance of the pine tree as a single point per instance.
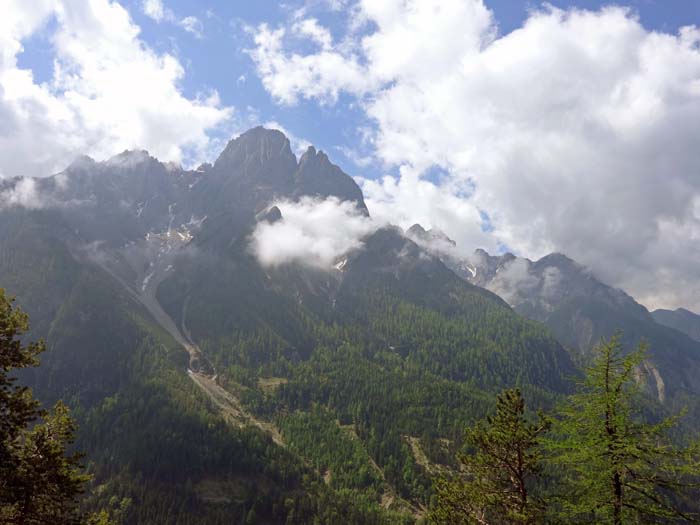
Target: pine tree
(499, 474)
(618, 468)
(39, 482)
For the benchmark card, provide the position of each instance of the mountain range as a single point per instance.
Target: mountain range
(212, 388)
(580, 310)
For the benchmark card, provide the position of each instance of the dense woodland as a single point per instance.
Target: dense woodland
(372, 433)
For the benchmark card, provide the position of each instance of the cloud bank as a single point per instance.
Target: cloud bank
(577, 132)
(315, 232)
(107, 92)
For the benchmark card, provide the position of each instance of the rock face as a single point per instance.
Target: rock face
(542, 288)
(138, 217)
(580, 311)
(271, 215)
(254, 171)
(125, 197)
(259, 166)
(437, 242)
(316, 176)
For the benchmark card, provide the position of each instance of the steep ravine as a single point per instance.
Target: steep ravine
(151, 267)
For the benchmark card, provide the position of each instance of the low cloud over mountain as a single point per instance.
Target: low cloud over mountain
(577, 132)
(312, 231)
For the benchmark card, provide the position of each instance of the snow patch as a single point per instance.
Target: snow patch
(146, 280)
(341, 264)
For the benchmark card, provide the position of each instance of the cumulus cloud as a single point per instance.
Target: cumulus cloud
(108, 91)
(312, 231)
(309, 27)
(409, 199)
(291, 76)
(577, 131)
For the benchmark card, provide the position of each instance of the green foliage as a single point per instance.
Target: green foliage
(618, 468)
(387, 368)
(39, 481)
(498, 475)
(373, 386)
(333, 451)
(158, 445)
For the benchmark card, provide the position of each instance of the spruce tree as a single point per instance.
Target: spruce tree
(618, 468)
(39, 481)
(497, 478)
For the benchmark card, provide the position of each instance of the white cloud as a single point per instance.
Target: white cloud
(288, 76)
(355, 157)
(310, 28)
(578, 130)
(156, 10)
(193, 25)
(408, 199)
(24, 193)
(515, 281)
(312, 231)
(108, 92)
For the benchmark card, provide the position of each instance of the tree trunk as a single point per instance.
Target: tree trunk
(611, 431)
(617, 501)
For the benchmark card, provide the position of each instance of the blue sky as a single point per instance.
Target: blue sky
(218, 58)
(566, 126)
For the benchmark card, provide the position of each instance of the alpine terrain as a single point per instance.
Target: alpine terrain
(212, 386)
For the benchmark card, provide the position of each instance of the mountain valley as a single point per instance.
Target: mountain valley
(210, 387)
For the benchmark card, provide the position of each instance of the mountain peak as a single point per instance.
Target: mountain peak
(270, 215)
(417, 230)
(557, 259)
(317, 175)
(432, 236)
(685, 311)
(262, 161)
(310, 153)
(81, 162)
(314, 156)
(129, 158)
(257, 145)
